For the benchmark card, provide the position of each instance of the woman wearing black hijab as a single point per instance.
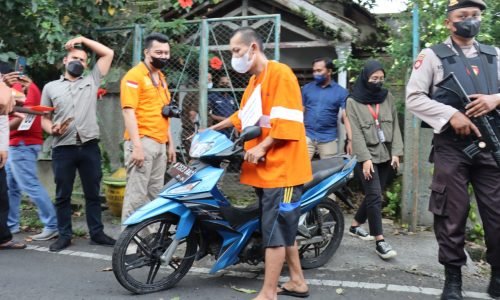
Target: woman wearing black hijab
(377, 143)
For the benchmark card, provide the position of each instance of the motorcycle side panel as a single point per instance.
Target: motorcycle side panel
(233, 244)
(160, 206)
(207, 178)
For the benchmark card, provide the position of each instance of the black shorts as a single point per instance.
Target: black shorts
(279, 215)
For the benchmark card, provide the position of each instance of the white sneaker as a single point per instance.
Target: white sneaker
(45, 235)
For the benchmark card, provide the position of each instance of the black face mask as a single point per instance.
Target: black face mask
(375, 86)
(159, 63)
(75, 68)
(468, 28)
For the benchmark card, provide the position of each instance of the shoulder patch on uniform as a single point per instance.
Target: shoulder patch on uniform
(132, 84)
(418, 62)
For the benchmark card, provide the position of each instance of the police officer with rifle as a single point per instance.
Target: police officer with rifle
(466, 149)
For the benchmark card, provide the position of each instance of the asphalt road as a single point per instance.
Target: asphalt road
(355, 272)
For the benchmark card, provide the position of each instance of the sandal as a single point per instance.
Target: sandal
(285, 292)
(12, 245)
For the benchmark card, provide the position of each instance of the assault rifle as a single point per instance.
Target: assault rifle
(488, 125)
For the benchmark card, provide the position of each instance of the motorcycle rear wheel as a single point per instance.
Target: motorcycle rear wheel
(317, 254)
(136, 256)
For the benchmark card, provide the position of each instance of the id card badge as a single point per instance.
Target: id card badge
(27, 123)
(251, 113)
(380, 132)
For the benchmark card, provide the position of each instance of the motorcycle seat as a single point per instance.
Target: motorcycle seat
(237, 216)
(324, 168)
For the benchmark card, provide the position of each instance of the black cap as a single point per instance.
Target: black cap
(456, 4)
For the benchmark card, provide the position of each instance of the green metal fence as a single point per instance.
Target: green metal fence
(199, 50)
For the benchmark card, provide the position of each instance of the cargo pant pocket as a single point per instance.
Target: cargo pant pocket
(438, 199)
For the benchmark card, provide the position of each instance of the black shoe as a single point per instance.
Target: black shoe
(102, 239)
(60, 244)
(357, 231)
(384, 250)
(494, 287)
(453, 283)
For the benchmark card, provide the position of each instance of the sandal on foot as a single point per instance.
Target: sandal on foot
(12, 245)
(285, 292)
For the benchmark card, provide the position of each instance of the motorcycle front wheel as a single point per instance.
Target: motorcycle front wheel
(136, 256)
(325, 223)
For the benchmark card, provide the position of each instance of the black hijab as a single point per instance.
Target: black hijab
(361, 91)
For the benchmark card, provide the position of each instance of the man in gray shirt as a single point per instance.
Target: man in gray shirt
(76, 135)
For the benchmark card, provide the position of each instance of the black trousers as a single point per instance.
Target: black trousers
(449, 201)
(371, 207)
(5, 234)
(66, 160)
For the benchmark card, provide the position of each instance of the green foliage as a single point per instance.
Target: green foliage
(29, 217)
(394, 196)
(79, 232)
(476, 232)
(315, 24)
(38, 29)
(432, 31)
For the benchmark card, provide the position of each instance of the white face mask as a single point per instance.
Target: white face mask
(242, 64)
(210, 85)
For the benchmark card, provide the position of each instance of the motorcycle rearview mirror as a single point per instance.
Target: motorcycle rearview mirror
(250, 133)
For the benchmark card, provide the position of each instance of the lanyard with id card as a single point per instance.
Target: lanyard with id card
(251, 114)
(375, 114)
(27, 122)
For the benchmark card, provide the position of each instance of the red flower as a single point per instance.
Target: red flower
(185, 3)
(101, 92)
(215, 63)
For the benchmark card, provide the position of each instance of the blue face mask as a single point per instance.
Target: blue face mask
(319, 79)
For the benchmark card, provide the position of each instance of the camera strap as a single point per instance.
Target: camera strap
(155, 84)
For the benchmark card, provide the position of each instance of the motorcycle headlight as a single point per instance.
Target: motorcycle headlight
(198, 149)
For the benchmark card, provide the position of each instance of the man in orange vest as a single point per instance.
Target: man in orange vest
(272, 161)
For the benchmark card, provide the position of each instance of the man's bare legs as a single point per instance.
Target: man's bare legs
(275, 257)
(297, 283)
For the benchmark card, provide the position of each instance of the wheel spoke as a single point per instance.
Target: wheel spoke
(153, 271)
(138, 263)
(142, 244)
(304, 249)
(161, 234)
(317, 251)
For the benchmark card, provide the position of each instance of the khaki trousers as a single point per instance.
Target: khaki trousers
(144, 183)
(326, 150)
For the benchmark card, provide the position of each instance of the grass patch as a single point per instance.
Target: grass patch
(29, 217)
(79, 232)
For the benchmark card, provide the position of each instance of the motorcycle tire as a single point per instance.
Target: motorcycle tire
(146, 252)
(326, 249)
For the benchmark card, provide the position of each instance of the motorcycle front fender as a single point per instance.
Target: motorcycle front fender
(161, 206)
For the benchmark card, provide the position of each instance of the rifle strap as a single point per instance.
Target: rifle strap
(467, 65)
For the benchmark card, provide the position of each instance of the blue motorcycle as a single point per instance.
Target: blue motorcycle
(191, 218)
